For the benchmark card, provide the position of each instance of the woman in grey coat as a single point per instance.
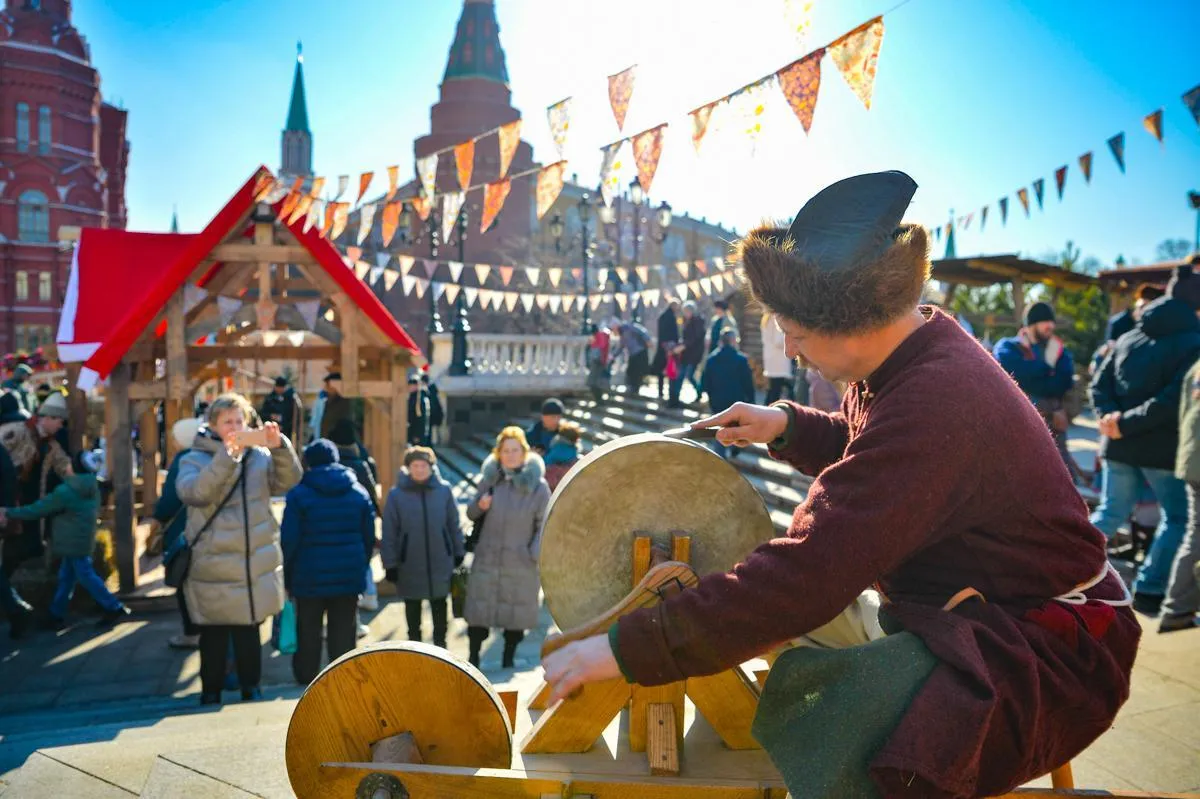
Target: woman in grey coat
(422, 541)
(507, 510)
(236, 577)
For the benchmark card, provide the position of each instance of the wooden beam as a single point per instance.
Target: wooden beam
(226, 278)
(200, 354)
(241, 252)
(1018, 298)
(148, 434)
(148, 391)
(350, 320)
(120, 444)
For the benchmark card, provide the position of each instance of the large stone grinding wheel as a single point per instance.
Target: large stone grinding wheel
(643, 484)
(454, 714)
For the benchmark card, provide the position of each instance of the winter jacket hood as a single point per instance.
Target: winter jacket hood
(1167, 317)
(405, 482)
(330, 480)
(526, 480)
(73, 504)
(561, 451)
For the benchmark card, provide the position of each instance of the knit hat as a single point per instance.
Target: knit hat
(846, 264)
(23, 370)
(281, 382)
(1039, 312)
(321, 452)
(552, 407)
(1185, 285)
(55, 407)
(333, 376)
(184, 431)
(343, 433)
(10, 409)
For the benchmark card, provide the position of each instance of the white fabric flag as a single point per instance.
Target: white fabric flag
(438, 290)
(408, 283)
(541, 300)
(470, 292)
(270, 337)
(452, 290)
(510, 300)
(533, 273)
(406, 263)
(422, 287)
(382, 258)
(555, 275)
(308, 310)
(366, 218)
(427, 172)
(296, 338)
(390, 276)
(451, 204)
(527, 302)
(555, 302)
(456, 270)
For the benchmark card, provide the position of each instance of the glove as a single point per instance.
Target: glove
(458, 561)
(390, 574)
(1054, 349)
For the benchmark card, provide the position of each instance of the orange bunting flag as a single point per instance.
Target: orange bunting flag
(1085, 165)
(391, 220)
(509, 136)
(300, 210)
(464, 162)
(423, 206)
(856, 54)
(700, 119)
(506, 273)
(1023, 196)
(1153, 123)
(354, 253)
(317, 185)
(549, 186)
(800, 82)
(263, 186)
(340, 217)
(702, 266)
(330, 213)
(364, 183)
(620, 91)
(393, 182)
(647, 149)
(494, 195)
(293, 197)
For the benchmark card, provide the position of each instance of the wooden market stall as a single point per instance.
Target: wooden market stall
(1120, 284)
(159, 315)
(989, 270)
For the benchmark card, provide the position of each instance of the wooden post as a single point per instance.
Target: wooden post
(120, 444)
(350, 336)
(149, 435)
(175, 407)
(399, 417)
(1018, 298)
(949, 298)
(76, 409)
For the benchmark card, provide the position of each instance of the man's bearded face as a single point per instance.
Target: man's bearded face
(1042, 331)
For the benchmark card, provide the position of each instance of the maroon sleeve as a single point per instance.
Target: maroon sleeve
(901, 479)
(815, 439)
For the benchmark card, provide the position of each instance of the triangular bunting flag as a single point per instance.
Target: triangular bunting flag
(364, 183)
(1085, 165)
(422, 287)
(1153, 123)
(340, 219)
(438, 290)
(509, 136)
(430, 267)
(408, 283)
(406, 263)
(654, 295)
(506, 273)
(300, 210)
(1117, 146)
(541, 300)
(622, 274)
(1039, 191)
(270, 337)
(318, 185)
(700, 118)
(577, 274)
(527, 302)
(374, 275)
(470, 292)
(456, 270)
(684, 269)
(427, 174)
(983, 217)
(800, 82)
(555, 302)
(226, 308)
(366, 218)
(485, 298)
(555, 276)
(308, 310)
(1191, 99)
(622, 301)
(1060, 180)
(452, 203)
(361, 268)
(595, 300)
(694, 287)
(295, 338)
(390, 276)
(647, 149)
(423, 206)
(510, 300)
(1004, 211)
(610, 171)
(701, 266)
(967, 224)
(354, 254)
(343, 184)
(643, 273)
(393, 173)
(391, 220)
(314, 215)
(1023, 196)
(464, 162)
(532, 273)
(682, 291)
(549, 186)
(798, 15)
(602, 277)
(452, 291)
(856, 54)
(620, 92)
(718, 283)
(559, 117)
(481, 273)
(746, 109)
(292, 199)
(330, 213)
(494, 195)
(382, 258)
(706, 285)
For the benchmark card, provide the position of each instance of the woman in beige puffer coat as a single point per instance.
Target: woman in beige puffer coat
(236, 577)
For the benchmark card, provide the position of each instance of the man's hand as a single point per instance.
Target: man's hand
(1110, 425)
(575, 665)
(745, 424)
(1054, 350)
(274, 437)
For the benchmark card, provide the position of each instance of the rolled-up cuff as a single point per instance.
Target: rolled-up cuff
(614, 644)
(782, 442)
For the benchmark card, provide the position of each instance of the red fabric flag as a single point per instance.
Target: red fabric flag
(549, 186)
(509, 136)
(494, 195)
(1060, 180)
(1085, 164)
(1153, 123)
(800, 82)
(647, 149)
(700, 119)
(364, 183)
(620, 91)
(391, 220)
(464, 162)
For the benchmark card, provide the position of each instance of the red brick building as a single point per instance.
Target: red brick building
(63, 156)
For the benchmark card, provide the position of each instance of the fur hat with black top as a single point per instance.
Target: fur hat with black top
(846, 264)
(1039, 312)
(1185, 284)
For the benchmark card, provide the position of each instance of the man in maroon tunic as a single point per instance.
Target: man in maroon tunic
(938, 485)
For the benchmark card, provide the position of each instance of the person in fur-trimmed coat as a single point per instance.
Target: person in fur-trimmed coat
(507, 510)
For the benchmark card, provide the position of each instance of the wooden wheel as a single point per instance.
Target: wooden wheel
(372, 693)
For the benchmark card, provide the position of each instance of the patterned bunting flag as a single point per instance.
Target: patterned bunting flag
(506, 273)
(1023, 196)
(423, 206)
(559, 117)
(555, 276)
(330, 212)
(747, 108)
(456, 270)
(1039, 190)
(800, 82)
(983, 218)
(798, 16)
(430, 267)
(610, 171)
(343, 184)
(1004, 211)
(427, 173)
(1153, 124)
(1117, 145)
(481, 273)
(366, 217)
(527, 302)
(494, 195)
(1191, 99)
(643, 273)
(340, 217)
(700, 118)
(452, 203)
(364, 183)
(464, 162)
(647, 149)
(393, 173)
(508, 137)
(1085, 165)
(549, 186)
(391, 220)
(1060, 180)
(856, 54)
(470, 293)
(406, 263)
(620, 92)
(532, 273)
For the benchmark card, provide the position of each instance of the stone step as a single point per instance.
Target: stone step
(169, 780)
(45, 777)
(255, 767)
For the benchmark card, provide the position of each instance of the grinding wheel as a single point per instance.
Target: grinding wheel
(375, 692)
(645, 484)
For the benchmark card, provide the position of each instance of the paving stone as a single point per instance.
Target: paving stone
(43, 777)
(169, 780)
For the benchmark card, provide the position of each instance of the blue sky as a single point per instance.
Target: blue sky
(974, 99)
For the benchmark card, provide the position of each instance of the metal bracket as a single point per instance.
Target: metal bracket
(380, 786)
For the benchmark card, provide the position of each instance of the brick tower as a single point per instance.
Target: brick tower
(63, 155)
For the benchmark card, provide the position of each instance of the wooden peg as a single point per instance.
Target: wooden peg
(662, 744)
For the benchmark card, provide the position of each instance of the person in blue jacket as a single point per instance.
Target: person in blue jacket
(328, 535)
(1043, 369)
(727, 380)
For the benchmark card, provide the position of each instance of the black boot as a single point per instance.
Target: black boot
(475, 638)
(511, 639)
(252, 694)
(210, 699)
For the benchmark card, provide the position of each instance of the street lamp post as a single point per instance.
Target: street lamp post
(557, 229)
(663, 217)
(460, 364)
(431, 231)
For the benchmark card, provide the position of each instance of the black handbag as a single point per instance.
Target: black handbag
(477, 527)
(177, 561)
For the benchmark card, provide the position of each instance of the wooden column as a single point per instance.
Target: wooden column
(1018, 298)
(76, 409)
(399, 414)
(175, 407)
(349, 319)
(120, 445)
(950, 289)
(149, 434)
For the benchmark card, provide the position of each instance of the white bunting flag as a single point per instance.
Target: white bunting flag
(623, 274)
(270, 337)
(595, 301)
(622, 301)
(427, 172)
(555, 276)
(510, 300)
(406, 263)
(374, 275)
(532, 273)
(718, 283)
(555, 302)
(542, 301)
(308, 310)
(527, 302)
(422, 287)
(706, 285)
(456, 270)
(316, 214)
(682, 291)
(408, 283)
(718, 263)
(694, 287)
(470, 292)
(296, 338)
(683, 267)
(438, 290)
(366, 218)
(452, 203)
(485, 298)
(343, 184)
(572, 299)
(361, 268)
(389, 279)
(481, 273)
(452, 290)
(601, 277)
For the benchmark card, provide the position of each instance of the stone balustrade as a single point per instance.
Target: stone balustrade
(511, 364)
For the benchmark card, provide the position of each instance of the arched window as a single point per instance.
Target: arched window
(23, 127)
(44, 129)
(33, 216)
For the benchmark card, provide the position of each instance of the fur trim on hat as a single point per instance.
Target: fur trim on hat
(184, 431)
(841, 302)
